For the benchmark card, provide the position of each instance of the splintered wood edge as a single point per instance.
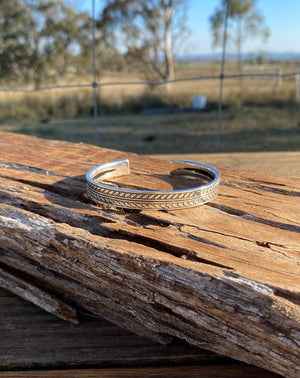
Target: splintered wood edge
(35, 295)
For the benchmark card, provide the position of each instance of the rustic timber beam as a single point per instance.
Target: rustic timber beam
(224, 276)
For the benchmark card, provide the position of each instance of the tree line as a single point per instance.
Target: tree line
(44, 40)
(38, 39)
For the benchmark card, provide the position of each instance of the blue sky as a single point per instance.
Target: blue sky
(282, 17)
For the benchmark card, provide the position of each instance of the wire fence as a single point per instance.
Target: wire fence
(221, 77)
(96, 84)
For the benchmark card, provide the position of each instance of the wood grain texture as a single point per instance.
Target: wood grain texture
(283, 163)
(32, 339)
(170, 372)
(224, 276)
(34, 343)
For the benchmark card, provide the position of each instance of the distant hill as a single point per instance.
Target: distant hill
(218, 56)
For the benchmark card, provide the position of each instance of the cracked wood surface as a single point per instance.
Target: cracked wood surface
(224, 276)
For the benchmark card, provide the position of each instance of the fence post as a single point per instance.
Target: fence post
(221, 80)
(297, 81)
(95, 86)
(278, 79)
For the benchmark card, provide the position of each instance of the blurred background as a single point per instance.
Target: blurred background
(153, 76)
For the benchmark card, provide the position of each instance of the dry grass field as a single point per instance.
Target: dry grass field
(259, 114)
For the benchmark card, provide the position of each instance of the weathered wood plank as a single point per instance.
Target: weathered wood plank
(283, 163)
(224, 276)
(175, 372)
(32, 339)
(31, 292)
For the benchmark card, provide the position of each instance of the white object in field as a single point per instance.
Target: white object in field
(199, 102)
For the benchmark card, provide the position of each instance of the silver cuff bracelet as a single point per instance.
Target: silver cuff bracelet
(153, 199)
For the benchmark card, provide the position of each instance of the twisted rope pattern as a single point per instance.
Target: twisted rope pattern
(152, 200)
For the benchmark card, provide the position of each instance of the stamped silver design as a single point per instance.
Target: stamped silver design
(149, 199)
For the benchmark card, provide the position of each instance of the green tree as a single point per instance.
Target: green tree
(15, 24)
(244, 21)
(143, 31)
(41, 39)
(56, 39)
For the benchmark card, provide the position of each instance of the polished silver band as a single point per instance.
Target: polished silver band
(153, 199)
